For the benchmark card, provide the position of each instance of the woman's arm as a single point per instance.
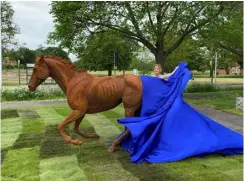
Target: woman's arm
(166, 76)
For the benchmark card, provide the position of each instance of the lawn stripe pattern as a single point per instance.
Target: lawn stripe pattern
(34, 150)
(53, 144)
(113, 117)
(10, 129)
(50, 116)
(103, 127)
(21, 165)
(61, 168)
(33, 125)
(108, 133)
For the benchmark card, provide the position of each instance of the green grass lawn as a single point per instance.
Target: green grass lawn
(33, 150)
(223, 100)
(219, 81)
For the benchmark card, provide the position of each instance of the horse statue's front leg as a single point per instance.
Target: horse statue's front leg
(75, 115)
(85, 135)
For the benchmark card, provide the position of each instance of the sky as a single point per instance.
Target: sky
(35, 23)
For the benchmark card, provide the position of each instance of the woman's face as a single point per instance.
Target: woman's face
(156, 70)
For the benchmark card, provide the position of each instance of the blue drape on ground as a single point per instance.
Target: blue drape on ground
(168, 129)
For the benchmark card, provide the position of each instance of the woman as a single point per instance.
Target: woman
(167, 129)
(157, 69)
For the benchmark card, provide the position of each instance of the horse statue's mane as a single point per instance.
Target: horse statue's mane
(63, 61)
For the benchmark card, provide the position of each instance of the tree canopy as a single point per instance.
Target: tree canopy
(25, 55)
(57, 51)
(161, 26)
(226, 35)
(8, 28)
(100, 49)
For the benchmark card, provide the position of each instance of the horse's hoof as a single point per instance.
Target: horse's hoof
(94, 135)
(68, 140)
(112, 149)
(77, 142)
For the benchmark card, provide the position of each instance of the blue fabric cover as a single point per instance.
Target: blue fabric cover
(168, 129)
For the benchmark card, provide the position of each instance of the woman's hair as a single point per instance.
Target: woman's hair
(159, 66)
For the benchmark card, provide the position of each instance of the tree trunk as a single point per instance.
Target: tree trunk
(109, 72)
(160, 59)
(240, 62)
(123, 72)
(160, 56)
(227, 71)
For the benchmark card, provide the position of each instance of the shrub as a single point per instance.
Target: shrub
(21, 66)
(145, 72)
(196, 87)
(22, 94)
(218, 76)
(8, 67)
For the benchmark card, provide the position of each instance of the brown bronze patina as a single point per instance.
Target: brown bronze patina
(87, 93)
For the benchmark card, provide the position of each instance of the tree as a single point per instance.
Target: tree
(8, 28)
(57, 51)
(191, 52)
(161, 26)
(143, 61)
(25, 55)
(226, 60)
(100, 49)
(144, 66)
(227, 33)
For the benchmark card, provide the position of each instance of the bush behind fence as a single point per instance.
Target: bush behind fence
(23, 94)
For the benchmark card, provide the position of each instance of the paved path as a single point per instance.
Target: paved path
(232, 121)
(229, 120)
(32, 103)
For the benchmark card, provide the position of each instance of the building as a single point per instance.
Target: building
(236, 70)
(7, 61)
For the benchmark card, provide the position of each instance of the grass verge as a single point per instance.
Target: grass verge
(224, 101)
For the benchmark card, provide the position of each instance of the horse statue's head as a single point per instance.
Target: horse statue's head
(39, 75)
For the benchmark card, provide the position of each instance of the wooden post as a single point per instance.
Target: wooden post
(26, 74)
(19, 71)
(28, 65)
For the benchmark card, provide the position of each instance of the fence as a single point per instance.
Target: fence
(16, 77)
(29, 70)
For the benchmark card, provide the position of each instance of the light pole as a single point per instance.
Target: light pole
(211, 71)
(215, 68)
(115, 61)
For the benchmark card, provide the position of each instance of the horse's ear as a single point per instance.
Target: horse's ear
(39, 59)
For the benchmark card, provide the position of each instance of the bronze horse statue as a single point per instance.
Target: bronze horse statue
(87, 93)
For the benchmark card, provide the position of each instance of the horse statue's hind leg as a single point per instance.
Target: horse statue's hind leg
(116, 142)
(132, 101)
(85, 135)
(129, 112)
